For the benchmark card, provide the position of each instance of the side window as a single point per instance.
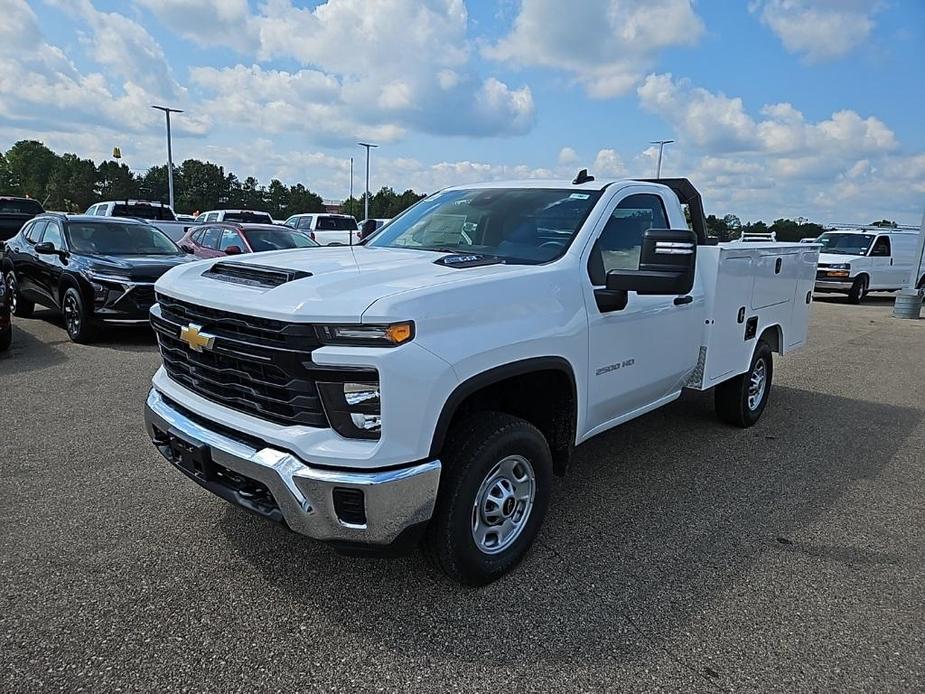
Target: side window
(881, 247)
(197, 236)
(212, 217)
(305, 223)
(210, 237)
(35, 233)
(102, 210)
(619, 245)
(230, 238)
(92, 210)
(53, 235)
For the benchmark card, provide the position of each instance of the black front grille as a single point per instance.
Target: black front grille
(254, 365)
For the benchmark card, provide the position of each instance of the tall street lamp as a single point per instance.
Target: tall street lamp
(167, 111)
(368, 146)
(661, 145)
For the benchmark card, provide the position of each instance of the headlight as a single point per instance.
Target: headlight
(390, 335)
(840, 266)
(354, 408)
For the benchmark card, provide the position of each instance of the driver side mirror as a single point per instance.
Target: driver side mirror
(48, 248)
(233, 250)
(186, 248)
(666, 265)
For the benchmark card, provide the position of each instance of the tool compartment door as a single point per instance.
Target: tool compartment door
(775, 273)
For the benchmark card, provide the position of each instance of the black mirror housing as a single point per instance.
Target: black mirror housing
(46, 248)
(666, 264)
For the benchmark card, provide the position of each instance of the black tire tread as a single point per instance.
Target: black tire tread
(464, 444)
(729, 396)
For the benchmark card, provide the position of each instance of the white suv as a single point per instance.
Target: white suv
(326, 228)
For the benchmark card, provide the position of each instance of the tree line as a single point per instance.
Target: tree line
(70, 184)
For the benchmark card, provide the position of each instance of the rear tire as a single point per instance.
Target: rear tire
(494, 490)
(77, 319)
(740, 401)
(858, 290)
(22, 308)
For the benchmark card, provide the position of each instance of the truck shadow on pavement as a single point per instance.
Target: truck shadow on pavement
(120, 338)
(654, 521)
(28, 353)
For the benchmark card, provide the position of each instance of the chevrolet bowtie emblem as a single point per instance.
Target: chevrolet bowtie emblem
(196, 339)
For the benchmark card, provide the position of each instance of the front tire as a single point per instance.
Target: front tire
(740, 401)
(21, 308)
(858, 290)
(77, 319)
(493, 496)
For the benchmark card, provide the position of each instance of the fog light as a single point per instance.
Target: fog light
(353, 408)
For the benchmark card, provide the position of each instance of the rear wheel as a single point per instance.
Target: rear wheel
(77, 319)
(740, 401)
(20, 307)
(858, 290)
(493, 496)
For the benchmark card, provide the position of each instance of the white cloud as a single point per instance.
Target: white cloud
(607, 45)
(396, 65)
(567, 155)
(718, 123)
(819, 30)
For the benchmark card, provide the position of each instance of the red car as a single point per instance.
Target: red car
(220, 239)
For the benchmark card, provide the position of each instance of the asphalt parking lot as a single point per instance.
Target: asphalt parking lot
(679, 555)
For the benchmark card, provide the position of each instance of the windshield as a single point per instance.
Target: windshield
(20, 207)
(520, 225)
(143, 211)
(276, 239)
(254, 217)
(336, 224)
(845, 244)
(101, 238)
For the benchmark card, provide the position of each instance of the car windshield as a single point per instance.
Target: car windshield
(336, 224)
(845, 244)
(20, 207)
(113, 238)
(260, 217)
(276, 239)
(143, 211)
(519, 225)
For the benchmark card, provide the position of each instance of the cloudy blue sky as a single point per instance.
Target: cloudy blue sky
(808, 108)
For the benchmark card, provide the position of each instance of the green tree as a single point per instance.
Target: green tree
(153, 184)
(31, 165)
(72, 186)
(277, 199)
(303, 200)
(6, 176)
(116, 181)
(204, 185)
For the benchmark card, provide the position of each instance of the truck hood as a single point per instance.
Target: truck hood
(139, 268)
(343, 281)
(836, 258)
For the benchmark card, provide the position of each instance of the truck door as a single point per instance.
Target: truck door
(643, 352)
(881, 264)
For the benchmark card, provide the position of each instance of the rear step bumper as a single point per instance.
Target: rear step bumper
(348, 507)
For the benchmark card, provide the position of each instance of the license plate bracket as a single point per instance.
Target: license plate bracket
(192, 457)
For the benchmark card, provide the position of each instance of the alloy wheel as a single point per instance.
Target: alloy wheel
(757, 384)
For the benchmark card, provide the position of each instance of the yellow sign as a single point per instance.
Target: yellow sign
(191, 334)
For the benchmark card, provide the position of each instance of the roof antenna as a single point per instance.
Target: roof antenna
(582, 177)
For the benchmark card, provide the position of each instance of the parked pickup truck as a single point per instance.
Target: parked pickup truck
(14, 212)
(155, 213)
(430, 383)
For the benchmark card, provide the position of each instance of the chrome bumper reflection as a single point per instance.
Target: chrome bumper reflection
(394, 499)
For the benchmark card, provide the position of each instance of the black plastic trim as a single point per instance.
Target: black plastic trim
(490, 377)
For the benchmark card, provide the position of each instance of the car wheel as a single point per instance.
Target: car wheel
(77, 320)
(858, 290)
(20, 307)
(740, 401)
(494, 489)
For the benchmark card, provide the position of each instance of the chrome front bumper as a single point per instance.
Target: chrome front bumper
(832, 286)
(395, 500)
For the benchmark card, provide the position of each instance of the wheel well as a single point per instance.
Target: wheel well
(544, 396)
(774, 336)
(67, 281)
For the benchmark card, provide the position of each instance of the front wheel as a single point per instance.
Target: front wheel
(741, 400)
(858, 290)
(77, 319)
(21, 308)
(492, 500)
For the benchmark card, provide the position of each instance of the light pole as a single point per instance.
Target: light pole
(167, 111)
(351, 180)
(368, 146)
(661, 145)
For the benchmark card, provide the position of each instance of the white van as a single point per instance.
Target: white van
(858, 261)
(326, 228)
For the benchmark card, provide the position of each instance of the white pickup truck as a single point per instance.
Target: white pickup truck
(430, 383)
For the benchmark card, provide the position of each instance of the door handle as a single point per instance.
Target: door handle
(681, 300)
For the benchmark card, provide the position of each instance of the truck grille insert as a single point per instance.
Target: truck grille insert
(257, 366)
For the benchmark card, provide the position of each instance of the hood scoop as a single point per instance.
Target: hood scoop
(253, 275)
(468, 260)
